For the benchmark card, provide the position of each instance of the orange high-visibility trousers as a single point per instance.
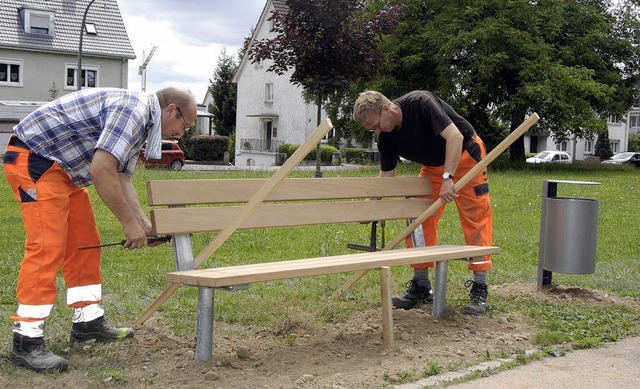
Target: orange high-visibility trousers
(473, 203)
(58, 218)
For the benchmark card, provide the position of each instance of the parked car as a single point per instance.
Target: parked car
(550, 156)
(631, 157)
(172, 157)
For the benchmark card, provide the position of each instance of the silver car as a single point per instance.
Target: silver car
(631, 157)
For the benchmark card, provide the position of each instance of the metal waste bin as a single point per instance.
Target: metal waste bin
(568, 233)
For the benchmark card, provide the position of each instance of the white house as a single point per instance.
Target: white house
(39, 46)
(270, 110)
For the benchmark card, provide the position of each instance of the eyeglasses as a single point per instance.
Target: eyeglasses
(186, 126)
(377, 126)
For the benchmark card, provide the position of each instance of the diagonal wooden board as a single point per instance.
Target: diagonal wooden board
(518, 132)
(304, 149)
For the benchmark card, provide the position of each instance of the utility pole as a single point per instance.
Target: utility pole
(142, 70)
(79, 73)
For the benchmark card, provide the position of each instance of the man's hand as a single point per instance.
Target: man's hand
(135, 234)
(447, 194)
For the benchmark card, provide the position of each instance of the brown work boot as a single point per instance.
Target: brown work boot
(99, 330)
(33, 354)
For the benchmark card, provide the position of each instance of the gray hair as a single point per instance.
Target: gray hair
(181, 98)
(367, 103)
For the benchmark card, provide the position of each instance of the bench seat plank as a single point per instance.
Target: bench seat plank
(171, 221)
(271, 271)
(212, 191)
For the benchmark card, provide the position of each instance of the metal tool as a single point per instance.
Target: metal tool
(150, 239)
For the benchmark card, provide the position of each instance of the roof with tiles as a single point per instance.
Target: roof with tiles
(110, 41)
(280, 6)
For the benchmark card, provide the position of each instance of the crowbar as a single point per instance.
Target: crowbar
(150, 239)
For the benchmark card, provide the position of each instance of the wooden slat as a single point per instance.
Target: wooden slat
(271, 271)
(209, 191)
(174, 221)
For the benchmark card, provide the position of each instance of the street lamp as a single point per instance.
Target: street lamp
(84, 19)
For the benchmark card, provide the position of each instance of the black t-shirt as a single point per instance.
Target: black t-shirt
(424, 117)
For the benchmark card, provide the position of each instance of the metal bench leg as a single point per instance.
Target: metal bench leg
(204, 335)
(387, 316)
(182, 249)
(440, 289)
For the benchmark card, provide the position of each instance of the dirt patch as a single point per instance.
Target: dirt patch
(347, 355)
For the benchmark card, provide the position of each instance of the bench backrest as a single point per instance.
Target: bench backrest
(295, 202)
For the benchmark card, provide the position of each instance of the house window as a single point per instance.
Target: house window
(89, 77)
(10, 72)
(561, 146)
(275, 132)
(330, 134)
(37, 21)
(90, 28)
(614, 146)
(268, 93)
(588, 146)
(614, 119)
(634, 121)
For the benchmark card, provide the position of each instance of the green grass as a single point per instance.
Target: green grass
(133, 279)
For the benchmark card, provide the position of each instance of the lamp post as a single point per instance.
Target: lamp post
(84, 19)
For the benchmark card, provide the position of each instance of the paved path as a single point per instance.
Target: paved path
(615, 365)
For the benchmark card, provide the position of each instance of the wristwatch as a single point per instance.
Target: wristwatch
(447, 176)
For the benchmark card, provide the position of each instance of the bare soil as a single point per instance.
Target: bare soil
(347, 355)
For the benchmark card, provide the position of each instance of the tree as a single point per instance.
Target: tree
(328, 44)
(224, 93)
(575, 62)
(603, 147)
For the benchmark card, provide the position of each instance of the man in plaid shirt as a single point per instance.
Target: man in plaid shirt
(92, 136)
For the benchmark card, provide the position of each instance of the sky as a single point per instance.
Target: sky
(189, 35)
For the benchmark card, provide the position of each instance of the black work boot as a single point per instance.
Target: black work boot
(478, 299)
(418, 291)
(33, 354)
(99, 330)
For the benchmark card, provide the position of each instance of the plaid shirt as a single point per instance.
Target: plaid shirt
(69, 129)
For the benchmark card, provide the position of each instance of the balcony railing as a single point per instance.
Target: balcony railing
(263, 145)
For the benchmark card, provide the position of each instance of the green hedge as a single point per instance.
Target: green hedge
(208, 147)
(355, 155)
(325, 152)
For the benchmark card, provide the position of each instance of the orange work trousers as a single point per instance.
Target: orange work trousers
(473, 203)
(58, 218)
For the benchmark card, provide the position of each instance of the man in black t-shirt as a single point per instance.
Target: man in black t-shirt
(419, 126)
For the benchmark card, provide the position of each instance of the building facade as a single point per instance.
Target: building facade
(39, 52)
(270, 109)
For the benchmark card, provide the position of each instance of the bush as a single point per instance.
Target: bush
(208, 147)
(634, 143)
(184, 141)
(325, 152)
(355, 155)
(286, 149)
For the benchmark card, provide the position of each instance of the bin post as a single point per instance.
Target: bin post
(550, 191)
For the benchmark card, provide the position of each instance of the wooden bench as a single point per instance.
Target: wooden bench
(295, 202)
